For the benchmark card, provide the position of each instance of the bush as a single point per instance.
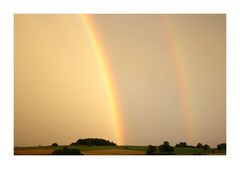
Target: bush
(206, 147)
(166, 149)
(150, 150)
(222, 146)
(94, 141)
(199, 145)
(181, 144)
(67, 151)
(54, 144)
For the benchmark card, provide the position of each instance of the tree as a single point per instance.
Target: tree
(166, 143)
(206, 147)
(199, 145)
(74, 144)
(165, 148)
(54, 144)
(94, 141)
(222, 146)
(151, 149)
(181, 144)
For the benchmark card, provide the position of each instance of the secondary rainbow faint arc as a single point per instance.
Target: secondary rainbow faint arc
(107, 77)
(182, 74)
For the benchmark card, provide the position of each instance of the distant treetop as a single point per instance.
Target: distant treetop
(222, 146)
(94, 141)
(54, 144)
(181, 144)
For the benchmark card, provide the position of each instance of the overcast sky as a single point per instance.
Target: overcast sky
(169, 74)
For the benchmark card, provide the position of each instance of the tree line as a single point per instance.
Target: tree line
(87, 142)
(163, 149)
(167, 149)
(94, 142)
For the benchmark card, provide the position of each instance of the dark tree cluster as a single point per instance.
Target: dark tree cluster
(164, 149)
(167, 149)
(205, 147)
(54, 144)
(151, 150)
(199, 145)
(67, 151)
(94, 141)
(222, 146)
(181, 144)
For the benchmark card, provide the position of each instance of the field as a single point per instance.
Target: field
(112, 150)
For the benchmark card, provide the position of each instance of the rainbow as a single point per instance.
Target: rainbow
(179, 61)
(182, 74)
(107, 77)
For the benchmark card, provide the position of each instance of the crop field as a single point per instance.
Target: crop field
(112, 150)
(34, 152)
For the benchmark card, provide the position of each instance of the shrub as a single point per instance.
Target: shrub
(222, 146)
(166, 149)
(150, 150)
(206, 147)
(94, 141)
(67, 151)
(181, 144)
(54, 144)
(199, 145)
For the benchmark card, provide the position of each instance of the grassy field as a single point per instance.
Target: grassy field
(198, 151)
(112, 150)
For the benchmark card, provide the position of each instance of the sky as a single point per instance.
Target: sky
(133, 79)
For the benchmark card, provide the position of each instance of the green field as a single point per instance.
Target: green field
(142, 149)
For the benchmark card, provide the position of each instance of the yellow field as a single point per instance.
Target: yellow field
(113, 152)
(33, 152)
(86, 152)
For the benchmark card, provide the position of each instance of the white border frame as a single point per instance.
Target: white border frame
(9, 7)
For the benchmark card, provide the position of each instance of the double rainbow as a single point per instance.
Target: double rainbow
(179, 62)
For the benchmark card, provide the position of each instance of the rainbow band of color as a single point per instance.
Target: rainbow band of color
(182, 74)
(179, 62)
(107, 77)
